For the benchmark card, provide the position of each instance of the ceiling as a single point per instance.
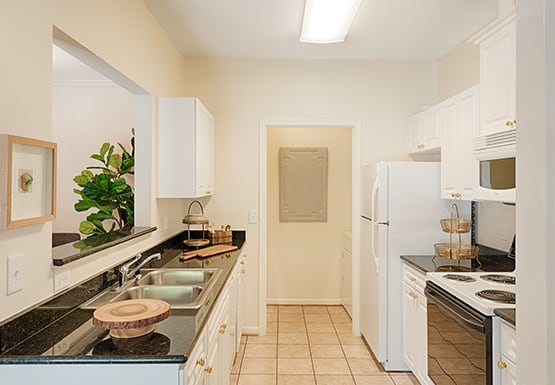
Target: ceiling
(270, 29)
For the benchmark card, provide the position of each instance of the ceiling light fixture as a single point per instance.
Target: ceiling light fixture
(327, 21)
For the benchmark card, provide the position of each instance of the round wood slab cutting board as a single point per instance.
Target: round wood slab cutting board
(131, 318)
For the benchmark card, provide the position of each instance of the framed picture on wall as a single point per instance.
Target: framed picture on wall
(27, 181)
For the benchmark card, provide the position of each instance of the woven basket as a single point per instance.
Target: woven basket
(220, 236)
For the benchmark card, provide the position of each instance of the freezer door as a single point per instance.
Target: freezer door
(368, 178)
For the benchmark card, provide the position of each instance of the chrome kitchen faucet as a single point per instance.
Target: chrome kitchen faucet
(125, 273)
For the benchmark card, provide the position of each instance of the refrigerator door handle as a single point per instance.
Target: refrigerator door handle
(374, 225)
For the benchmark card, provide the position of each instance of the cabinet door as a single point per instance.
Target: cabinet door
(469, 104)
(432, 131)
(450, 153)
(508, 374)
(421, 336)
(409, 318)
(498, 80)
(416, 133)
(205, 152)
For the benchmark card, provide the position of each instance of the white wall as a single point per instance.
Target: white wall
(304, 258)
(125, 35)
(84, 116)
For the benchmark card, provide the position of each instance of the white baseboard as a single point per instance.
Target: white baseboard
(251, 330)
(303, 301)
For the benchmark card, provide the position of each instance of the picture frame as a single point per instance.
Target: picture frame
(27, 181)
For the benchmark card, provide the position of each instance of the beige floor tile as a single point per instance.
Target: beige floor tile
(243, 339)
(272, 317)
(258, 366)
(261, 351)
(357, 351)
(320, 327)
(363, 366)
(404, 379)
(271, 309)
(269, 338)
(315, 309)
(343, 327)
(236, 368)
(330, 366)
(350, 339)
(326, 351)
(317, 317)
(294, 366)
(257, 379)
(271, 327)
(293, 351)
(291, 317)
(242, 347)
(296, 327)
(288, 309)
(323, 339)
(334, 380)
(288, 338)
(233, 379)
(338, 317)
(373, 380)
(336, 309)
(290, 379)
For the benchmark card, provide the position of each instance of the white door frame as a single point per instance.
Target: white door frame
(356, 136)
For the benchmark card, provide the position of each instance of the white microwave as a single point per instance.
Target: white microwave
(495, 167)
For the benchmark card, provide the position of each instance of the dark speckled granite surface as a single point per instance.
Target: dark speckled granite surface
(59, 331)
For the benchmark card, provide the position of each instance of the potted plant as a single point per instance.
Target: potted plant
(107, 190)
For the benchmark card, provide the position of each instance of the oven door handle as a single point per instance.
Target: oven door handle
(456, 310)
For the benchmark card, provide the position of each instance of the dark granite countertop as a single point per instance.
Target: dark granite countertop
(70, 337)
(508, 315)
(429, 263)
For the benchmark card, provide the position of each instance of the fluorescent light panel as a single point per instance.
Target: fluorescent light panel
(327, 21)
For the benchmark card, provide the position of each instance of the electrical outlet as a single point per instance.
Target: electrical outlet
(61, 278)
(252, 216)
(15, 274)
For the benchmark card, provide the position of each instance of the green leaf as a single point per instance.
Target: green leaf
(86, 227)
(98, 157)
(115, 161)
(99, 217)
(104, 149)
(84, 205)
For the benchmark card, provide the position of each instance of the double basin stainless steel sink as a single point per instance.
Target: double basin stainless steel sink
(181, 288)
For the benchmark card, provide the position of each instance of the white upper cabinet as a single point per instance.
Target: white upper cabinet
(459, 122)
(497, 76)
(425, 131)
(185, 149)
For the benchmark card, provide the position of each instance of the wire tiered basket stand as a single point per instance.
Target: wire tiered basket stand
(456, 226)
(195, 219)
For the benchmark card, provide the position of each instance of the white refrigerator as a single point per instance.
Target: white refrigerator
(401, 209)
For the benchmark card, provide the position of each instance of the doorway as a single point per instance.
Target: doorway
(266, 127)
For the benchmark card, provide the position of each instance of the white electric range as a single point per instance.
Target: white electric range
(470, 287)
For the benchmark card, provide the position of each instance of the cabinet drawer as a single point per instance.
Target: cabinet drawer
(414, 278)
(508, 341)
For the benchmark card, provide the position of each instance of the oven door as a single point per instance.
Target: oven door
(459, 340)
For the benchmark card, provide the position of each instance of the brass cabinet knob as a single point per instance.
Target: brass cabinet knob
(501, 364)
(208, 370)
(412, 279)
(242, 263)
(243, 271)
(201, 361)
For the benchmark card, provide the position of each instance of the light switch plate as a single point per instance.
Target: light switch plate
(252, 216)
(14, 271)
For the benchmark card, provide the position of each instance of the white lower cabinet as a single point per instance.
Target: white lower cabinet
(504, 365)
(212, 358)
(415, 333)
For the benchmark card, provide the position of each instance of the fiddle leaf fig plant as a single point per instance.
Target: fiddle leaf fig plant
(107, 190)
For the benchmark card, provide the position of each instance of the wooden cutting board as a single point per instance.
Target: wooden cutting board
(208, 252)
(131, 318)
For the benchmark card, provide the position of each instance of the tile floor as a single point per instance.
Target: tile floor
(310, 345)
